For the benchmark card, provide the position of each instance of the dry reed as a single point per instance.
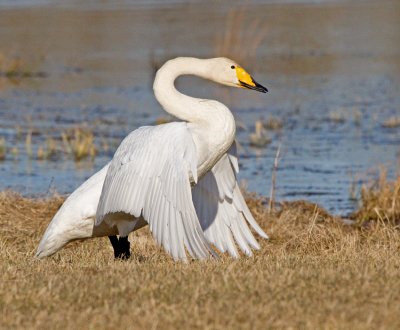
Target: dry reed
(273, 180)
(273, 123)
(259, 138)
(392, 122)
(80, 144)
(14, 68)
(380, 201)
(241, 37)
(3, 149)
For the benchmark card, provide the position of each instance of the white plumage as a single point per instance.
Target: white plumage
(155, 183)
(75, 218)
(180, 178)
(222, 210)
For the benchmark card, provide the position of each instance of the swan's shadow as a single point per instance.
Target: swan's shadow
(206, 200)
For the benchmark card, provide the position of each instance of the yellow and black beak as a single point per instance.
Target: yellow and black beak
(247, 81)
(255, 85)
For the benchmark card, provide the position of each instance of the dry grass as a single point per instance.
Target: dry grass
(77, 143)
(392, 122)
(13, 68)
(80, 143)
(240, 40)
(338, 116)
(259, 138)
(273, 123)
(314, 272)
(380, 201)
(241, 37)
(3, 148)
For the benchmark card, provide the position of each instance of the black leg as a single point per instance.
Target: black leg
(124, 248)
(115, 244)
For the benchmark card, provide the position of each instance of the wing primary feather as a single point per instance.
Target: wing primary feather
(240, 239)
(147, 203)
(220, 242)
(247, 233)
(160, 216)
(166, 224)
(187, 238)
(173, 233)
(155, 183)
(229, 243)
(249, 217)
(193, 238)
(157, 215)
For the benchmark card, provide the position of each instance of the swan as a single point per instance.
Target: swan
(179, 177)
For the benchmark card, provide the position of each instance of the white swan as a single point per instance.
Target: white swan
(180, 178)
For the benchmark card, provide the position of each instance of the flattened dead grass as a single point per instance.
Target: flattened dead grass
(314, 272)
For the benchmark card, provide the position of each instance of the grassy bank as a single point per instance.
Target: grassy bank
(314, 272)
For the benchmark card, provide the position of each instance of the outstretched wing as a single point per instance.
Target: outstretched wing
(149, 176)
(222, 210)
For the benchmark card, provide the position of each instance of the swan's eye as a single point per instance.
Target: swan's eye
(232, 66)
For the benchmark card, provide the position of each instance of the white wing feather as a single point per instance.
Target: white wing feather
(149, 177)
(222, 210)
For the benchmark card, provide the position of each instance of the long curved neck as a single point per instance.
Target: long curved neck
(182, 106)
(212, 124)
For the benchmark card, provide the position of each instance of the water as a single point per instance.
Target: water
(332, 70)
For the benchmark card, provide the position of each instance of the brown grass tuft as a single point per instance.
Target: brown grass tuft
(380, 201)
(392, 122)
(314, 272)
(3, 149)
(80, 143)
(14, 68)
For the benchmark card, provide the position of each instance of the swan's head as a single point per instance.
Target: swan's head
(227, 72)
